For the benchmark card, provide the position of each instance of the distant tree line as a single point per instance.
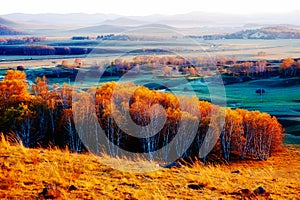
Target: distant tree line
(201, 66)
(23, 40)
(102, 37)
(113, 37)
(276, 32)
(39, 50)
(81, 38)
(43, 50)
(287, 68)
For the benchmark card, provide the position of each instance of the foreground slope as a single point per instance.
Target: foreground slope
(38, 173)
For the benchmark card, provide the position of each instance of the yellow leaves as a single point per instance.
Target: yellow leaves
(51, 103)
(113, 100)
(24, 107)
(41, 87)
(171, 101)
(286, 63)
(15, 75)
(25, 110)
(173, 113)
(14, 87)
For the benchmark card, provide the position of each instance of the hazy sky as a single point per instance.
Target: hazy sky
(148, 7)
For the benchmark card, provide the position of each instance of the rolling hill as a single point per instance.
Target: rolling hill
(118, 29)
(8, 22)
(274, 32)
(100, 29)
(124, 21)
(5, 30)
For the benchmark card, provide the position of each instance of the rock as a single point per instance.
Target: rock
(43, 193)
(48, 193)
(196, 186)
(72, 187)
(245, 191)
(260, 190)
(246, 194)
(172, 165)
(236, 171)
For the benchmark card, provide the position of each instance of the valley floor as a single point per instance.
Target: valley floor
(55, 174)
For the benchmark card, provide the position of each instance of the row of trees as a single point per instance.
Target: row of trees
(166, 65)
(287, 68)
(205, 66)
(42, 50)
(102, 37)
(39, 50)
(23, 40)
(37, 117)
(42, 117)
(290, 68)
(49, 50)
(244, 134)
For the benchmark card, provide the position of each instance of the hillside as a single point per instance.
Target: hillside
(54, 174)
(124, 21)
(122, 28)
(275, 32)
(100, 29)
(8, 22)
(5, 30)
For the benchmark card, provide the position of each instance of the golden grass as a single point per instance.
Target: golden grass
(25, 173)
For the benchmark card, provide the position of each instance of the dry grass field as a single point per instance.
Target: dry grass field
(242, 49)
(56, 174)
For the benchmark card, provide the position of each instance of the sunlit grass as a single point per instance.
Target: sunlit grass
(24, 173)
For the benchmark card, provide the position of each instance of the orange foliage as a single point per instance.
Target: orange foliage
(14, 87)
(247, 134)
(46, 117)
(286, 63)
(298, 64)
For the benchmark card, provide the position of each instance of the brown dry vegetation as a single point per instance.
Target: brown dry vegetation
(38, 173)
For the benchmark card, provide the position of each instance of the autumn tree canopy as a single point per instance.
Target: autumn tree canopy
(43, 116)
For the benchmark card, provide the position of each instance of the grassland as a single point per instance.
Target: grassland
(281, 98)
(56, 174)
(242, 49)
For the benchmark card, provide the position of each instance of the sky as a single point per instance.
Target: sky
(148, 7)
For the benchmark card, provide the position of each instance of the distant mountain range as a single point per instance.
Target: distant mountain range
(193, 19)
(198, 23)
(59, 19)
